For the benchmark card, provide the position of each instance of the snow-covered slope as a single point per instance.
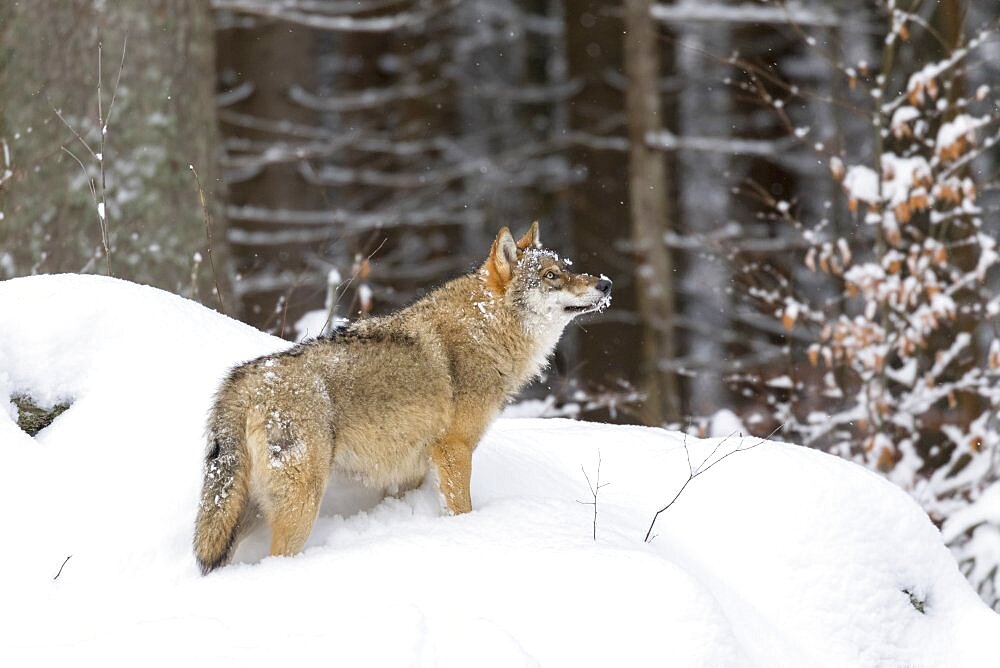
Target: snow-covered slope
(778, 556)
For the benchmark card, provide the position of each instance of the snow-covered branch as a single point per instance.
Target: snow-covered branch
(297, 13)
(746, 13)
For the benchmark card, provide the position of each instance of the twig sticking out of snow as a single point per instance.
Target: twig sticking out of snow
(208, 234)
(61, 567)
(595, 488)
(694, 472)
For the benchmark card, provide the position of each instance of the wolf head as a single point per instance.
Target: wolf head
(540, 284)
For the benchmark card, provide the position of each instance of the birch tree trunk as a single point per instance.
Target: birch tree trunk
(704, 110)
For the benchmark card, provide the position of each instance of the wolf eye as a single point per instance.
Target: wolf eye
(550, 275)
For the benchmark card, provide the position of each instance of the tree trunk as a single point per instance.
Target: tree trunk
(704, 109)
(271, 56)
(650, 213)
(610, 350)
(162, 121)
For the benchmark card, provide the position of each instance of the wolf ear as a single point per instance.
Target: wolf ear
(500, 263)
(530, 238)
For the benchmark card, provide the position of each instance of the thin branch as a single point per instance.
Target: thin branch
(97, 204)
(114, 93)
(90, 180)
(354, 275)
(75, 133)
(102, 206)
(208, 234)
(987, 145)
(595, 488)
(100, 79)
(61, 568)
(937, 69)
(98, 193)
(694, 472)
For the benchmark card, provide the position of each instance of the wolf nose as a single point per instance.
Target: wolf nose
(604, 285)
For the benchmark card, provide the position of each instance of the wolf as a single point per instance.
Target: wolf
(387, 400)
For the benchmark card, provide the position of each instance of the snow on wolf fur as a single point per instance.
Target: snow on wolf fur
(779, 556)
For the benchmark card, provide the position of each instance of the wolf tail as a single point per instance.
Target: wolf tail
(225, 490)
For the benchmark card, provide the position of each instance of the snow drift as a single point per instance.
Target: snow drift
(777, 556)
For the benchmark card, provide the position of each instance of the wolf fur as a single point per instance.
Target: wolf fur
(385, 400)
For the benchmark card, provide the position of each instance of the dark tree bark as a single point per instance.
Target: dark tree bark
(267, 58)
(599, 200)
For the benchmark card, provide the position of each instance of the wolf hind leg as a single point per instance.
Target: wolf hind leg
(292, 500)
(290, 493)
(291, 526)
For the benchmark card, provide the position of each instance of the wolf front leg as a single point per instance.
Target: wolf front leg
(452, 457)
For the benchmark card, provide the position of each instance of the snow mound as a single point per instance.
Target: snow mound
(778, 556)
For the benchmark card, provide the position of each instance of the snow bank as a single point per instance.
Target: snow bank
(779, 556)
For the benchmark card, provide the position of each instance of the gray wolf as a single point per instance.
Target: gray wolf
(387, 400)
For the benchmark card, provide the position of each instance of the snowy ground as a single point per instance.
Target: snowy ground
(779, 556)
